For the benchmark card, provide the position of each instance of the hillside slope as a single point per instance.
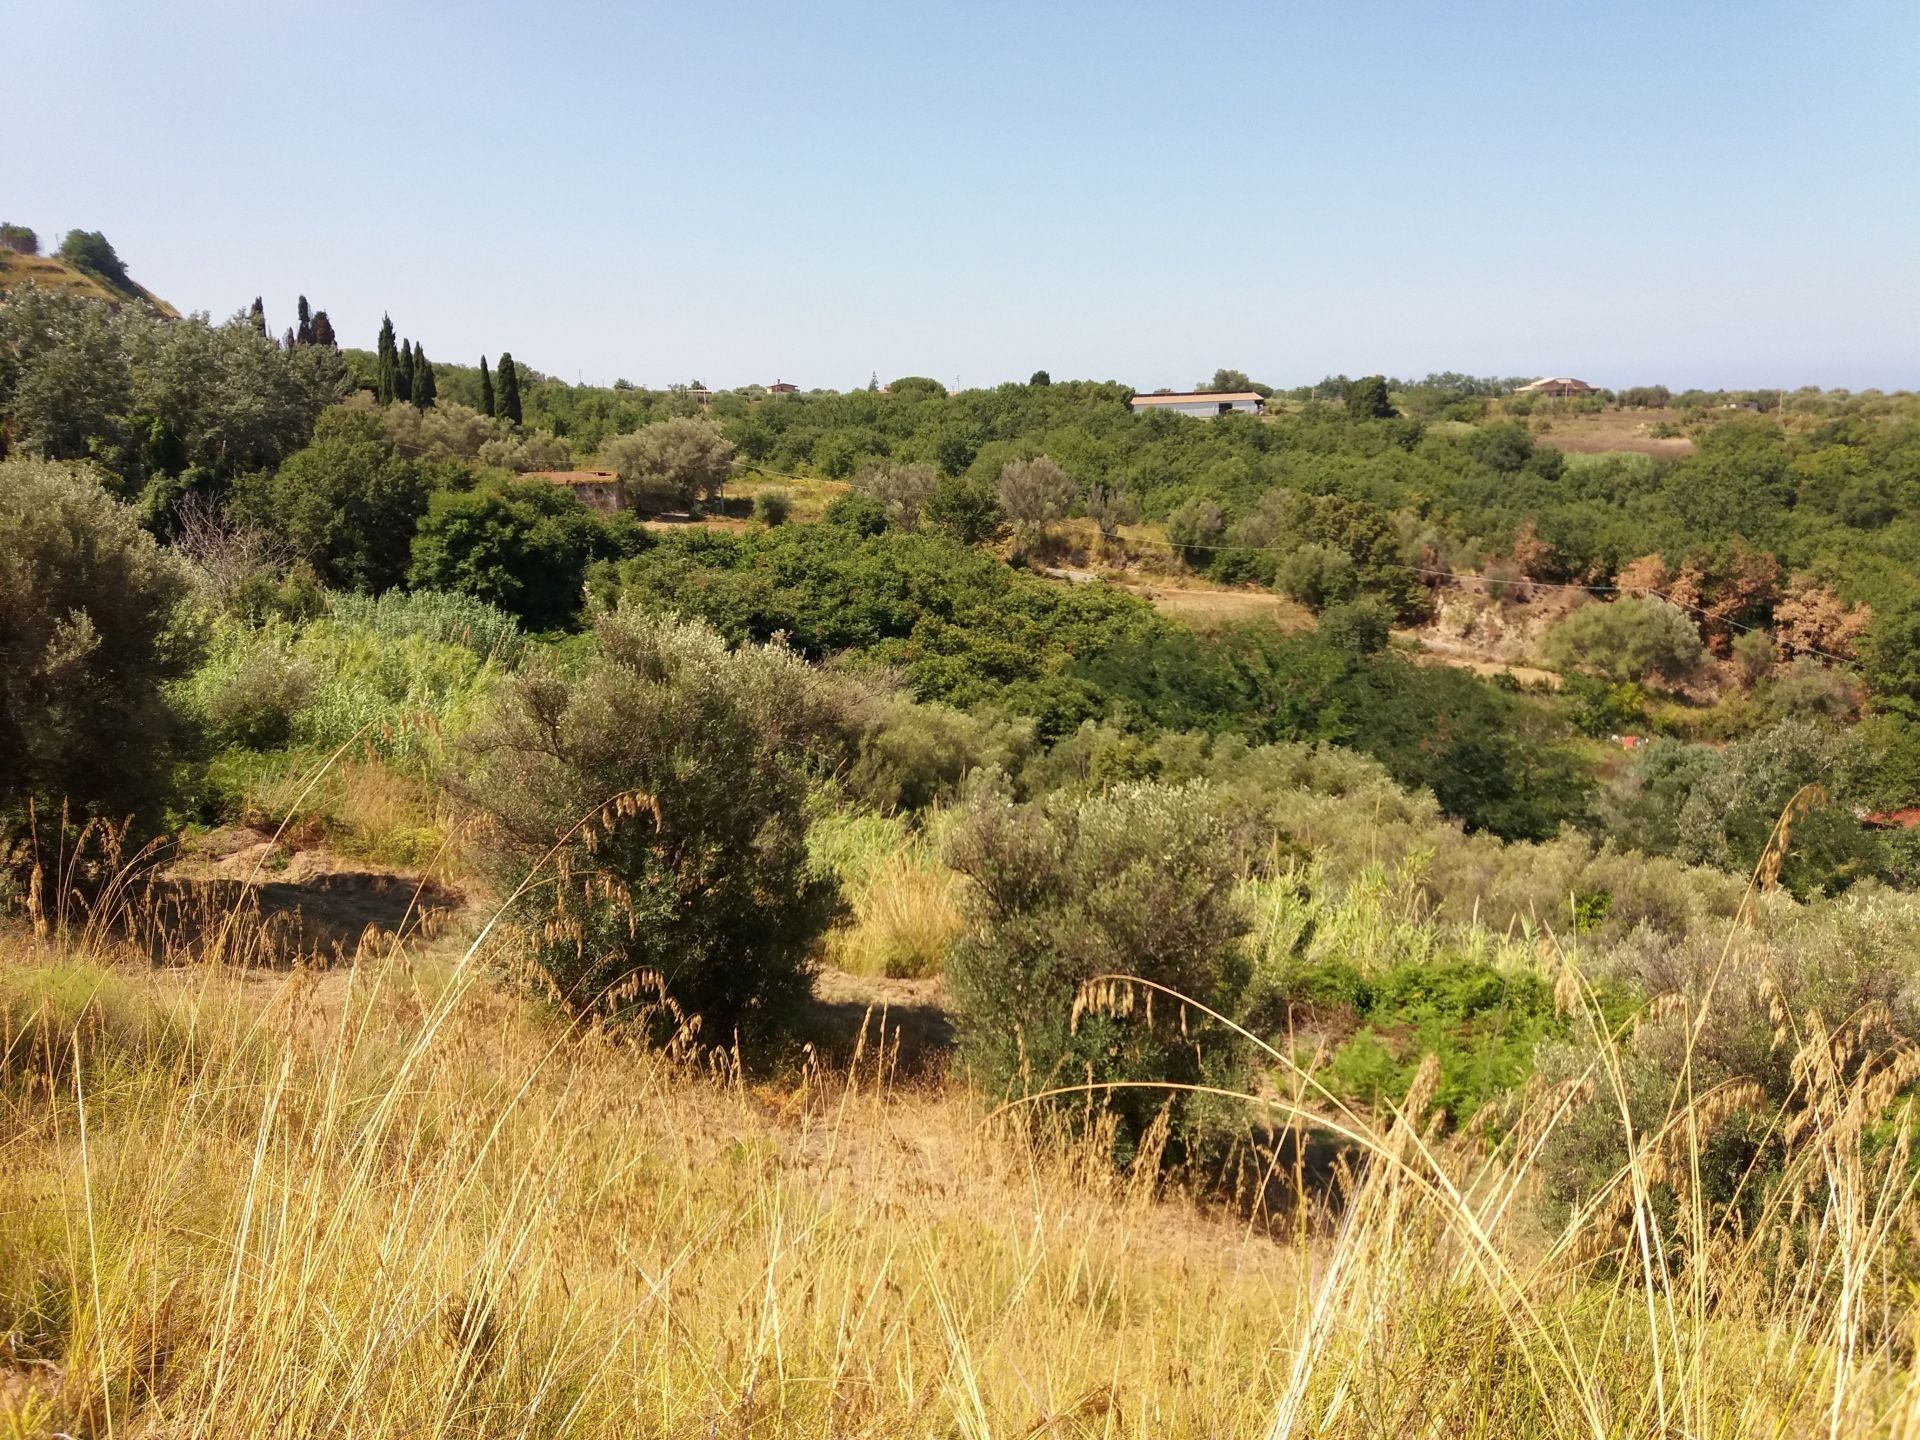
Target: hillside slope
(18, 271)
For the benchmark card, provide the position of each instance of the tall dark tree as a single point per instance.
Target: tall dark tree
(486, 388)
(387, 383)
(509, 403)
(403, 373)
(258, 314)
(323, 330)
(423, 386)
(1367, 400)
(303, 333)
(289, 340)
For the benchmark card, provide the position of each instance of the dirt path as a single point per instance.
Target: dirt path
(1431, 650)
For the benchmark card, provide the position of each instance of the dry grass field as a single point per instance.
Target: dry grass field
(1616, 431)
(17, 270)
(396, 1198)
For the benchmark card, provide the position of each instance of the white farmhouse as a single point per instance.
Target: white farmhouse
(1201, 402)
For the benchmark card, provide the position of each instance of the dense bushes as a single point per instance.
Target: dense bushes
(1718, 807)
(649, 812)
(523, 546)
(1813, 1024)
(1494, 760)
(957, 623)
(348, 503)
(96, 622)
(159, 403)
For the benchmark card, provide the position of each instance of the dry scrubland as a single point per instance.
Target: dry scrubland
(399, 1199)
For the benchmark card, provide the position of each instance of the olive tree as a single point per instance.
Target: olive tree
(1110, 507)
(1033, 494)
(1637, 638)
(675, 464)
(903, 489)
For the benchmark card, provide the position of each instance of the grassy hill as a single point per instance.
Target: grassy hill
(18, 271)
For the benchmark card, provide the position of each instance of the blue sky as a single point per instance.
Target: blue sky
(1688, 193)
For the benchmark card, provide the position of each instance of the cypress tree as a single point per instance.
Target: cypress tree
(423, 386)
(323, 330)
(509, 406)
(403, 373)
(388, 381)
(290, 341)
(258, 314)
(486, 388)
(303, 333)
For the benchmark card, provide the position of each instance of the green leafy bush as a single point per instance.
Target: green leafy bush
(968, 510)
(348, 503)
(688, 881)
(523, 546)
(773, 507)
(96, 622)
(1137, 880)
(1635, 639)
(1317, 576)
(256, 705)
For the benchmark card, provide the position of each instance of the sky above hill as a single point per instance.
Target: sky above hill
(1682, 193)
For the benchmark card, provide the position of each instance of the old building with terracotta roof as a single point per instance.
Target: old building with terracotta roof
(598, 489)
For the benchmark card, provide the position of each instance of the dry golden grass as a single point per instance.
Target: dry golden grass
(905, 917)
(392, 1202)
(49, 273)
(397, 1200)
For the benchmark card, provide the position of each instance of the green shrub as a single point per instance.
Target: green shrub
(1808, 1003)
(689, 881)
(968, 510)
(773, 507)
(1634, 639)
(348, 503)
(96, 621)
(255, 706)
(396, 692)
(1134, 881)
(523, 546)
(1601, 708)
(1317, 576)
(1359, 627)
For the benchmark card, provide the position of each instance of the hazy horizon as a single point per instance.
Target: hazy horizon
(1634, 194)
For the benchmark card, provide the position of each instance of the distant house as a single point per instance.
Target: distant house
(598, 489)
(1558, 386)
(1201, 402)
(782, 387)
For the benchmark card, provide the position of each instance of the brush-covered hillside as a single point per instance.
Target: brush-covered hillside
(970, 914)
(85, 265)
